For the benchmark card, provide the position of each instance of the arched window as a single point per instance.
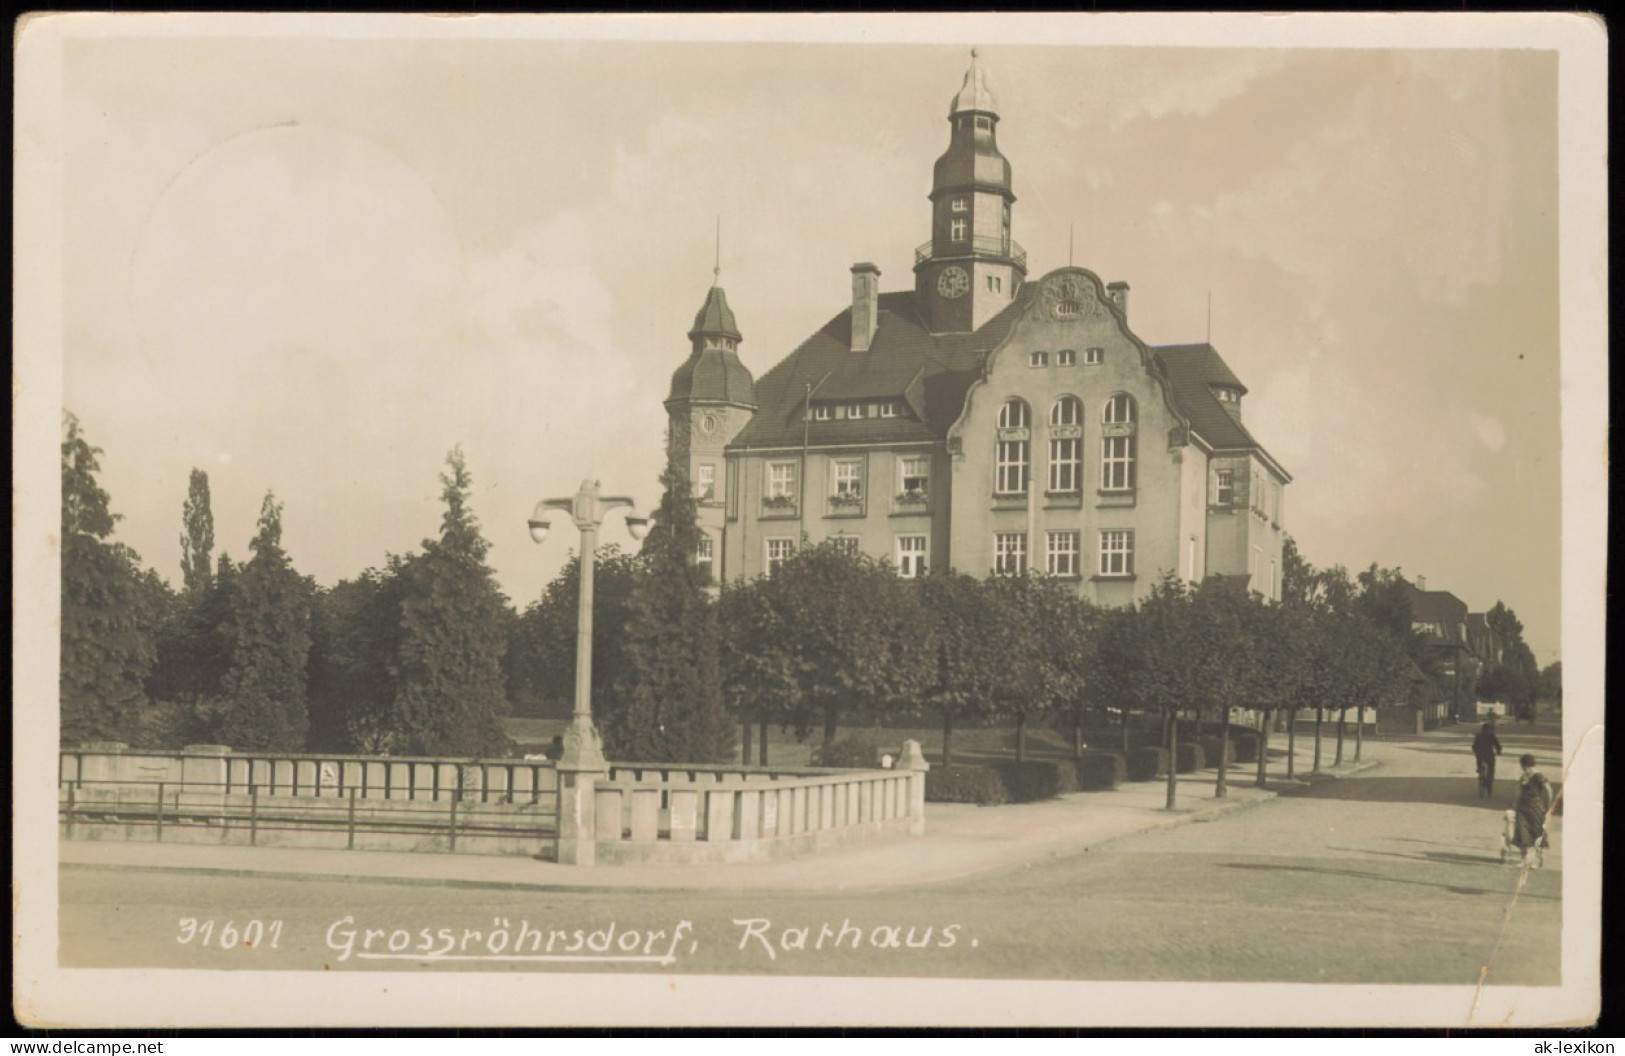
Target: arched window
(1117, 443)
(1013, 455)
(1066, 449)
(1119, 409)
(1013, 415)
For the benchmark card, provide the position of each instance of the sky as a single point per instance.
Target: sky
(315, 263)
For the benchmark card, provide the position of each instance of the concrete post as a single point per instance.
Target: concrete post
(913, 760)
(578, 816)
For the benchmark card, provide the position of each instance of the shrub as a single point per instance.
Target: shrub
(1036, 779)
(1146, 764)
(981, 785)
(1101, 771)
(1247, 748)
(855, 751)
(1210, 750)
(1190, 758)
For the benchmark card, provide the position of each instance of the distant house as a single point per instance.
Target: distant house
(1441, 619)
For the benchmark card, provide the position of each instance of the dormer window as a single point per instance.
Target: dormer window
(888, 409)
(823, 413)
(854, 410)
(1227, 395)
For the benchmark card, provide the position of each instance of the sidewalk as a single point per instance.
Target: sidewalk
(960, 841)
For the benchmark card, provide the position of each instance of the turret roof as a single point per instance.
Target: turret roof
(974, 93)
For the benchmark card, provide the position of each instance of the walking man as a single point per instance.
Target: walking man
(1486, 746)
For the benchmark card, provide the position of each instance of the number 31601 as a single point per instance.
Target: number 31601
(251, 935)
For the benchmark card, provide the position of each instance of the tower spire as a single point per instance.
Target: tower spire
(716, 272)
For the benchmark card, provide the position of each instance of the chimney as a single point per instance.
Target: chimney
(1118, 292)
(865, 305)
(1421, 582)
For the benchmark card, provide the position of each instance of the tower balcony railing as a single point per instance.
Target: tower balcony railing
(984, 245)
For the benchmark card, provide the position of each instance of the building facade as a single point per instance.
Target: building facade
(981, 420)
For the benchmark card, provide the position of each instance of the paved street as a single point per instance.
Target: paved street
(1390, 875)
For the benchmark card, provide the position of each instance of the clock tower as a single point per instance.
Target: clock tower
(971, 268)
(712, 397)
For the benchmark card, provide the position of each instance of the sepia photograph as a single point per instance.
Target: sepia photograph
(809, 521)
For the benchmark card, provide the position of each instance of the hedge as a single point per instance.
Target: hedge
(1210, 750)
(1247, 748)
(854, 751)
(1146, 764)
(1003, 782)
(1190, 758)
(981, 785)
(1101, 771)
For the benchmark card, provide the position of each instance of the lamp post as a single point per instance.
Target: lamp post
(583, 748)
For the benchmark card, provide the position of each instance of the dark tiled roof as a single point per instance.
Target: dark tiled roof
(714, 316)
(1443, 608)
(930, 372)
(713, 374)
(1193, 370)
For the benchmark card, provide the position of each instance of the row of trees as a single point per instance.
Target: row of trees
(425, 656)
(406, 659)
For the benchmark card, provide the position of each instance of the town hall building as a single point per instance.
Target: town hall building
(984, 420)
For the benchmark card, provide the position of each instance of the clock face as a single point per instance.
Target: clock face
(953, 282)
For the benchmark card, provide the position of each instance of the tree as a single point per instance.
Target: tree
(356, 629)
(966, 662)
(264, 690)
(1143, 654)
(541, 667)
(1551, 683)
(760, 673)
(670, 690)
(110, 608)
(451, 693)
(850, 627)
(197, 539)
(1220, 656)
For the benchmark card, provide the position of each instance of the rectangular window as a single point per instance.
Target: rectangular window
(847, 478)
(1269, 584)
(889, 409)
(1224, 487)
(1117, 463)
(956, 230)
(1061, 554)
(1063, 464)
(854, 410)
(778, 552)
(1117, 553)
(1066, 357)
(910, 556)
(1275, 502)
(1190, 560)
(959, 205)
(1257, 497)
(1094, 357)
(1038, 359)
(846, 544)
(995, 284)
(823, 413)
(1009, 554)
(916, 474)
(1011, 470)
(1255, 566)
(705, 486)
(705, 557)
(781, 481)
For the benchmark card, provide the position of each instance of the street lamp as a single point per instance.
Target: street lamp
(583, 749)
